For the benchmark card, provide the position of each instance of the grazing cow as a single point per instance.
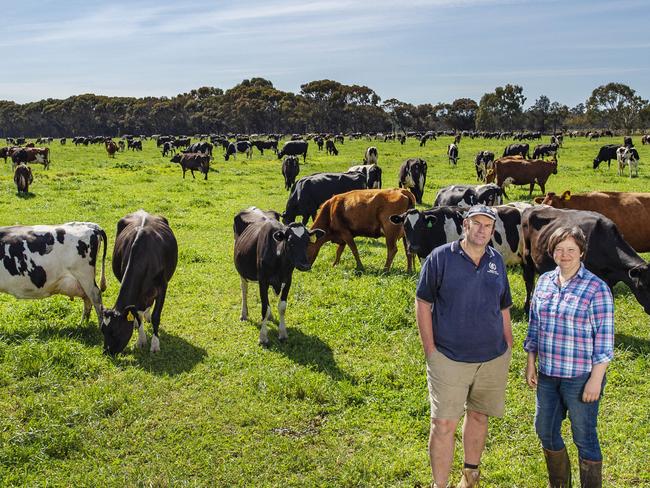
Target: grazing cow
(144, 260)
(483, 162)
(413, 176)
(111, 148)
(452, 153)
(363, 213)
(261, 145)
(311, 191)
(23, 178)
(371, 156)
(134, 145)
(44, 260)
(294, 148)
(63, 140)
(606, 153)
(456, 139)
(203, 147)
(466, 196)
(371, 172)
(182, 142)
(608, 255)
(32, 155)
(629, 211)
(427, 230)
(627, 156)
(267, 251)
(320, 142)
(7, 151)
(193, 161)
(645, 139)
(518, 171)
(516, 149)
(120, 144)
(542, 150)
(627, 141)
(331, 148)
(339, 138)
(167, 147)
(239, 147)
(290, 169)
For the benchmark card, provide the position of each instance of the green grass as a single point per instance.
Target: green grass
(342, 403)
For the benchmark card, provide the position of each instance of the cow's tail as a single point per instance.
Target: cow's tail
(102, 279)
(411, 197)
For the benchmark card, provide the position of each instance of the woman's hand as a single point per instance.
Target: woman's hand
(591, 392)
(531, 374)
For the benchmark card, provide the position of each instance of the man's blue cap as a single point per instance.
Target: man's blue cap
(481, 210)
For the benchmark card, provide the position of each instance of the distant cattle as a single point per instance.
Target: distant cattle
(203, 147)
(606, 153)
(452, 153)
(182, 142)
(627, 156)
(111, 148)
(23, 178)
(134, 145)
(120, 145)
(311, 191)
(193, 161)
(239, 147)
(364, 213)
(607, 255)
(645, 139)
(516, 149)
(518, 171)
(542, 150)
(483, 162)
(267, 251)
(44, 260)
(413, 176)
(144, 260)
(330, 148)
(290, 169)
(627, 141)
(167, 147)
(39, 155)
(63, 140)
(294, 148)
(261, 145)
(468, 195)
(371, 156)
(371, 172)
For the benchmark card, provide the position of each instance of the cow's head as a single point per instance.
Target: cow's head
(117, 328)
(419, 229)
(374, 177)
(640, 276)
(293, 241)
(176, 158)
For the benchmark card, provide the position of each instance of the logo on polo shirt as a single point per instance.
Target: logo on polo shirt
(492, 268)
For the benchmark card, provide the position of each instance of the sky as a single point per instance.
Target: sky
(421, 51)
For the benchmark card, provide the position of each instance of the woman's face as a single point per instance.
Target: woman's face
(567, 254)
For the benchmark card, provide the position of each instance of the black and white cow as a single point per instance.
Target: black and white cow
(516, 150)
(466, 196)
(452, 153)
(330, 148)
(608, 255)
(267, 251)
(482, 162)
(23, 177)
(606, 153)
(44, 260)
(290, 169)
(371, 172)
(542, 150)
(413, 176)
(427, 230)
(371, 156)
(311, 191)
(294, 148)
(627, 156)
(203, 147)
(144, 260)
(239, 147)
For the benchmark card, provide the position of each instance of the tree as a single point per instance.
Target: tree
(616, 106)
(400, 114)
(539, 113)
(462, 114)
(502, 109)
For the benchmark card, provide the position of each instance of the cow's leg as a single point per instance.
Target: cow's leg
(93, 294)
(529, 279)
(410, 261)
(282, 307)
(88, 305)
(266, 312)
(339, 251)
(532, 186)
(192, 171)
(349, 240)
(155, 318)
(391, 250)
(184, 172)
(142, 337)
(244, 299)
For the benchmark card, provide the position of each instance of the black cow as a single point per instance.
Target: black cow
(267, 251)
(261, 145)
(23, 178)
(542, 150)
(627, 141)
(466, 196)
(606, 153)
(311, 191)
(517, 149)
(294, 148)
(413, 175)
(134, 145)
(427, 230)
(608, 255)
(320, 142)
(193, 161)
(482, 163)
(290, 169)
(167, 147)
(144, 260)
(203, 147)
(239, 147)
(372, 172)
(330, 148)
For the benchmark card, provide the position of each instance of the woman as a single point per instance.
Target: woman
(571, 332)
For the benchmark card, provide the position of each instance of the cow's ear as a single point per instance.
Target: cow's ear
(316, 234)
(637, 274)
(397, 219)
(566, 195)
(130, 313)
(279, 236)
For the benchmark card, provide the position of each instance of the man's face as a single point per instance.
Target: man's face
(478, 230)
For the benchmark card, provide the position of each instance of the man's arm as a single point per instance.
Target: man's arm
(507, 326)
(425, 325)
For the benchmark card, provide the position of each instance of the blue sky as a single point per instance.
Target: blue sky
(422, 51)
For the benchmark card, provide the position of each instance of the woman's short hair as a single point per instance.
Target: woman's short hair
(563, 233)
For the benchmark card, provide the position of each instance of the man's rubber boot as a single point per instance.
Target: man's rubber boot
(591, 474)
(559, 468)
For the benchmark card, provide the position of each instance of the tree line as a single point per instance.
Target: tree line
(256, 106)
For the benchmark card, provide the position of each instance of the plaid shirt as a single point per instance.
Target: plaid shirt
(571, 328)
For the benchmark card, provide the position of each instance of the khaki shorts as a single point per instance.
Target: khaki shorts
(455, 386)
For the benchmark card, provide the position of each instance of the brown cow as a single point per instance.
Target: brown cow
(629, 211)
(31, 155)
(23, 177)
(193, 161)
(362, 213)
(520, 171)
(111, 148)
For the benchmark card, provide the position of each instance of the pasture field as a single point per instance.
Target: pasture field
(342, 403)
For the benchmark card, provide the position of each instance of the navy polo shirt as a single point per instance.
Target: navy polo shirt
(467, 302)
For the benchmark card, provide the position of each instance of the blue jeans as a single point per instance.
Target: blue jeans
(556, 396)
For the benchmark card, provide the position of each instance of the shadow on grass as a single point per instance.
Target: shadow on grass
(308, 350)
(636, 345)
(87, 334)
(26, 196)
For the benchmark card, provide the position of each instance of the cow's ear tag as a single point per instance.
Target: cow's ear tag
(429, 225)
(130, 317)
(313, 238)
(567, 196)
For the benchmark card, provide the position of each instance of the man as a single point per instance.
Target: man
(463, 313)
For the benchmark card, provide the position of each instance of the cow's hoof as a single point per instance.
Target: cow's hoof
(283, 339)
(243, 318)
(263, 344)
(155, 345)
